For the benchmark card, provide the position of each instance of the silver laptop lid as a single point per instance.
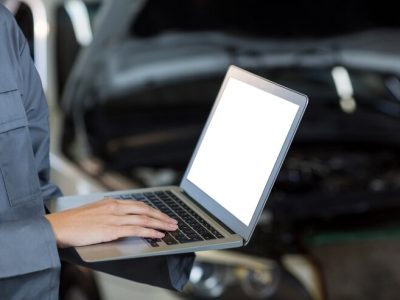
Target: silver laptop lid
(242, 148)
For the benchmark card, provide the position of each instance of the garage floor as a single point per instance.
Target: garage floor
(367, 270)
(112, 287)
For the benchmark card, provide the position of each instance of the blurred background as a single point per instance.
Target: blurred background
(130, 84)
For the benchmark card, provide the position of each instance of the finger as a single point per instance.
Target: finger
(145, 221)
(140, 208)
(129, 231)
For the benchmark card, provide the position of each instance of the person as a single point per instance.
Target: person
(30, 238)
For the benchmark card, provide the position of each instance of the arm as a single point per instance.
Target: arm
(108, 220)
(26, 238)
(100, 222)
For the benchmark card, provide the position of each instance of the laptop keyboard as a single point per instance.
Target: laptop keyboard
(191, 227)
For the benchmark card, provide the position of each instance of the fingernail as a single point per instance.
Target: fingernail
(174, 221)
(160, 235)
(173, 226)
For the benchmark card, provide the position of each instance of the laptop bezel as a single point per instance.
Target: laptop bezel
(204, 200)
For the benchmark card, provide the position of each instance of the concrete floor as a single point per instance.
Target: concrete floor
(112, 287)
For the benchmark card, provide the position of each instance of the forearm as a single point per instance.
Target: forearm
(107, 220)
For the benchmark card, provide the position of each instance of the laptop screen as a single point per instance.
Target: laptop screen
(240, 147)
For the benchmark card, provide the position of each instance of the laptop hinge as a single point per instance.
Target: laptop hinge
(209, 213)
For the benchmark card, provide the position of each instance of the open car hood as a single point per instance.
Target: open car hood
(134, 65)
(118, 63)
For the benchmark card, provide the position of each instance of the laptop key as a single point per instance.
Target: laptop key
(138, 197)
(185, 240)
(169, 240)
(153, 242)
(208, 236)
(177, 234)
(217, 234)
(192, 227)
(194, 237)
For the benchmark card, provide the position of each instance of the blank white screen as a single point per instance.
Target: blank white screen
(239, 150)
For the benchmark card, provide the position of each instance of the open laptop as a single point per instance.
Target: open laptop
(228, 179)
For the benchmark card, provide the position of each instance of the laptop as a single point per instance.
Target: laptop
(228, 179)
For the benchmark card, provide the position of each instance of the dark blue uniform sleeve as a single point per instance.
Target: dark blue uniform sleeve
(37, 113)
(29, 264)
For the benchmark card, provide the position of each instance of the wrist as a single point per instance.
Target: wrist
(55, 228)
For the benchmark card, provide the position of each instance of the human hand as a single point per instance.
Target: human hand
(107, 220)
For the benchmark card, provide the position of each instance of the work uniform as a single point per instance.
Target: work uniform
(29, 261)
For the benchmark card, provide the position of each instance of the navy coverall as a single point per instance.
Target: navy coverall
(29, 262)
